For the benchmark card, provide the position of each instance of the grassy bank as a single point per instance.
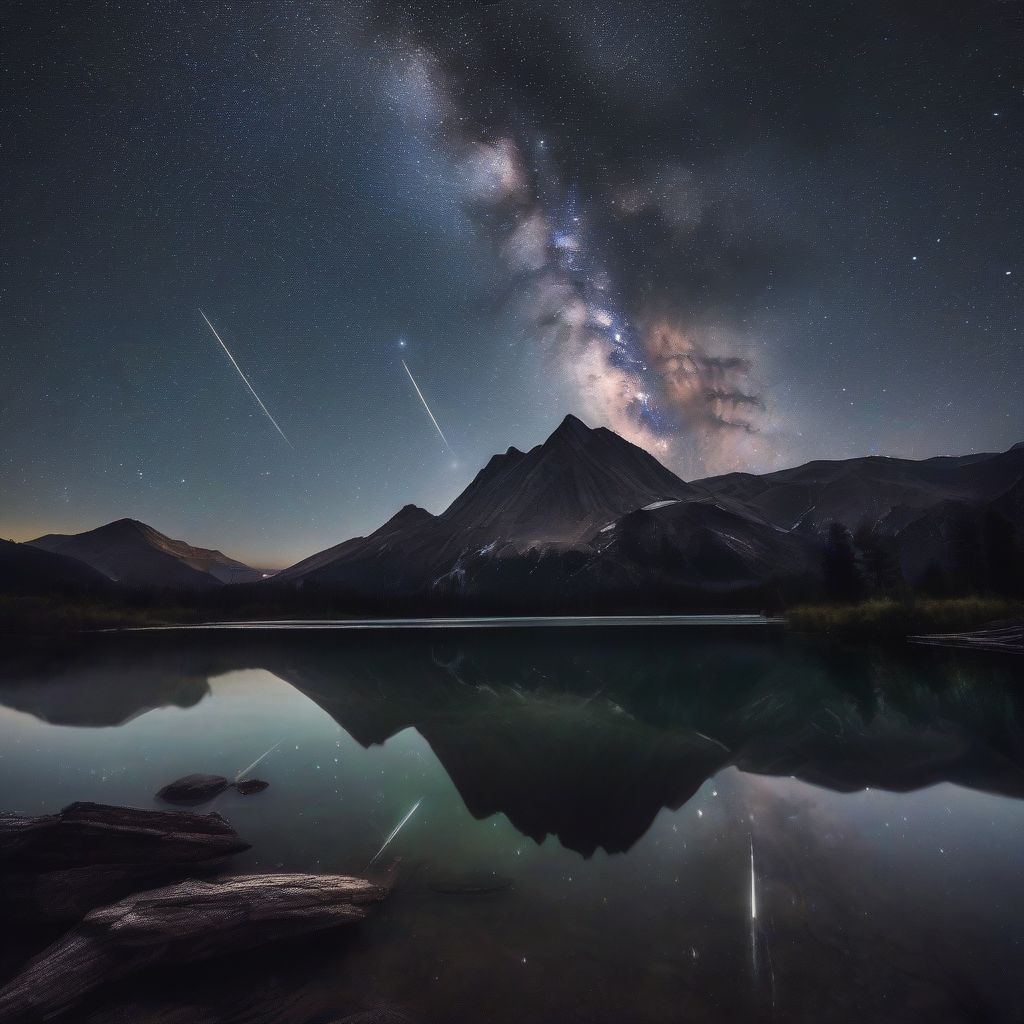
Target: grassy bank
(45, 615)
(886, 619)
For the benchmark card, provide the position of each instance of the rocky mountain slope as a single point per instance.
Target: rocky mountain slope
(584, 513)
(852, 490)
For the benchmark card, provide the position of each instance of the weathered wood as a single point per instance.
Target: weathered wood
(66, 896)
(59, 867)
(194, 920)
(87, 834)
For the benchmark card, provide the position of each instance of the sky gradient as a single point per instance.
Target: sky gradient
(742, 235)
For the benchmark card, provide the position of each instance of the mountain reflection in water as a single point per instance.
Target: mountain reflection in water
(878, 790)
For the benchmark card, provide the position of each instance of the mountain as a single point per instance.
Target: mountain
(563, 490)
(704, 542)
(389, 543)
(136, 555)
(852, 490)
(587, 522)
(586, 516)
(28, 570)
(554, 497)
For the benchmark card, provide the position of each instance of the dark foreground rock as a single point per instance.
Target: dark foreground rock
(179, 924)
(58, 867)
(87, 834)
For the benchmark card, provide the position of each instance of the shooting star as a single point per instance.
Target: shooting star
(245, 379)
(266, 753)
(753, 884)
(427, 407)
(398, 828)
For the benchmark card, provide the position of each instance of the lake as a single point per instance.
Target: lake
(692, 823)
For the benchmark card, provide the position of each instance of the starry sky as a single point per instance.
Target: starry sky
(742, 235)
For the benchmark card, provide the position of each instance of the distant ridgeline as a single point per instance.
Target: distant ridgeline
(587, 521)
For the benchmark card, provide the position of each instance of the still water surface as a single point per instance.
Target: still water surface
(696, 824)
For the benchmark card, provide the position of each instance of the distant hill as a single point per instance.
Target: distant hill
(136, 555)
(852, 490)
(27, 570)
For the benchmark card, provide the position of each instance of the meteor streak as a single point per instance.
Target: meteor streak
(427, 407)
(398, 828)
(245, 379)
(266, 753)
(753, 884)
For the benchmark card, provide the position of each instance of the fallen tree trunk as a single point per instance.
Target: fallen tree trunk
(194, 920)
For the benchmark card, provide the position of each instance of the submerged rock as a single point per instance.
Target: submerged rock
(249, 786)
(180, 924)
(191, 790)
(474, 883)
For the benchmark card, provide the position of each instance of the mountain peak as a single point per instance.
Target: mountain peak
(409, 514)
(571, 426)
(124, 525)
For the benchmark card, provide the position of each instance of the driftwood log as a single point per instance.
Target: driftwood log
(60, 866)
(194, 920)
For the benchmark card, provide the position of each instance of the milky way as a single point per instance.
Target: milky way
(643, 364)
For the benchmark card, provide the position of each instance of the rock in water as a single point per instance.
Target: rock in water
(87, 834)
(59, 866)
(249, 786)
(474, 883)
(194, 920)
(192, 790)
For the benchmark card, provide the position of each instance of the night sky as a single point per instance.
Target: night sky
(742, 234)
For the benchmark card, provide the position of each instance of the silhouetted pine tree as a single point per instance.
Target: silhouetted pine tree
(968, 570)
(881, 570)
(841, 574)
(935, 581)
(1002, 555)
